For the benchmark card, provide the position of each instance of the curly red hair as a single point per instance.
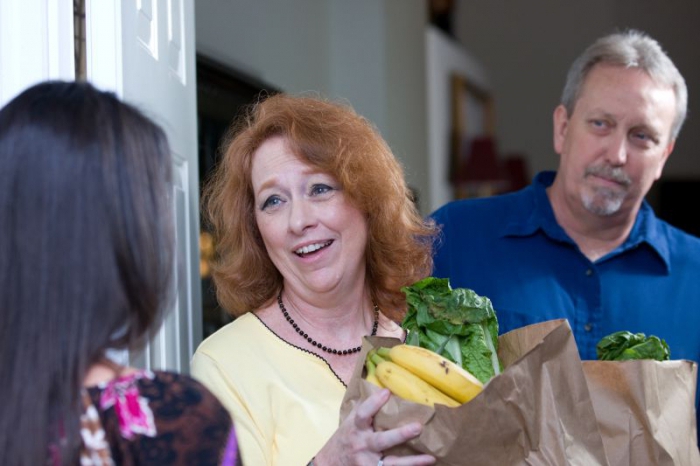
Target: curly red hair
(332, 137)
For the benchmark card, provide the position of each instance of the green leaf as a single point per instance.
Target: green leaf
(625, 346)
(456, 323)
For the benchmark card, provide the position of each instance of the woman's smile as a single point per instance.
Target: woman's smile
(312, 248)
(313, 234)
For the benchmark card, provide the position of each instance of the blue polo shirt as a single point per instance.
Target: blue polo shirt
(511, 249)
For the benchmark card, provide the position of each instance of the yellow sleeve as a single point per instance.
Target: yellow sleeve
(254, 447)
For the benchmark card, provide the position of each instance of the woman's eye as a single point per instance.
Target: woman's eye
(320, 189)
(271, 201)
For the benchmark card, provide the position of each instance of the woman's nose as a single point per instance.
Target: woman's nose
(301, 216)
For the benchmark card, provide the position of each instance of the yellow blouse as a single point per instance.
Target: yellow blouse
(285, 401)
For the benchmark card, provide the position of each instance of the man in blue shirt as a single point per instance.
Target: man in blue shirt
(582, 243)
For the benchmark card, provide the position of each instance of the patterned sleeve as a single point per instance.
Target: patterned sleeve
(165, 418)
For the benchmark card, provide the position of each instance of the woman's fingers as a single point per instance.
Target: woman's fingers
(365, 411)
(376, 442)
(384, 440)
(418, 460)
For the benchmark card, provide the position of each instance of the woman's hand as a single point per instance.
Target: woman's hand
(355, 443)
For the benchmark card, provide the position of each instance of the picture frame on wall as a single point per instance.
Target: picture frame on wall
(475, 169)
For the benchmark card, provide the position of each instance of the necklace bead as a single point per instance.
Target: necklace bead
(321, 346)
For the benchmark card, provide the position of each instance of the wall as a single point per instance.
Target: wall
(279, 42)
(373, 53)
(407, 126)
(368, 52)
(377, 51)
(444, 56)
(527, 48)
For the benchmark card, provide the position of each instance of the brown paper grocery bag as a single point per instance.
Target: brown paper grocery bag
(646, 410)
(537, 412)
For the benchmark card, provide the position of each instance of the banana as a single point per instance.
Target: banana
(438, 371)
(408, 386)
(371, 376)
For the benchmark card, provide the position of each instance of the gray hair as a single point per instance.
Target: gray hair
(631, 49)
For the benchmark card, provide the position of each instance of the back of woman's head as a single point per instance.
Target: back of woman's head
(85, 250)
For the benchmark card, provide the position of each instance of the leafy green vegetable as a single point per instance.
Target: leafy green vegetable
(624, 346)
(456, 323)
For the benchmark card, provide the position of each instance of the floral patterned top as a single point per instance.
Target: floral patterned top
(156, 418)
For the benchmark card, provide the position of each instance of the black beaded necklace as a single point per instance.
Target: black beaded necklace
(321, 345)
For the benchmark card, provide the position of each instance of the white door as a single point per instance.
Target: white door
(36, 43)
(144, 51)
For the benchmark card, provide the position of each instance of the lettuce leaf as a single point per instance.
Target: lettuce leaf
(456, 323)
(625, 346)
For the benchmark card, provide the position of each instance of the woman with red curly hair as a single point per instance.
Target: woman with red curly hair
(316, 232)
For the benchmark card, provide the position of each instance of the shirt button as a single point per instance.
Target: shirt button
(588, 327)
(589, 272)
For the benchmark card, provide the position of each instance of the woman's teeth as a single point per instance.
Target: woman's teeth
(311, 248)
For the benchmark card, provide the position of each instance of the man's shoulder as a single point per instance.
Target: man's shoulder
(507, 200)
(492, 207)
(672, 243)
(679, 239)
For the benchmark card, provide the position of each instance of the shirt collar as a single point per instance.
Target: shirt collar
(652, 231)
(540, 214)
(647, 229)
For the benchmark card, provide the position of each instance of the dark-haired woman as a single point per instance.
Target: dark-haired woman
(86, 261)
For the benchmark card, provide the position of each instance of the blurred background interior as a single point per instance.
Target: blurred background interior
(463, 90)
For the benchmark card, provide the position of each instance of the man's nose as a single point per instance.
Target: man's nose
(616, 152)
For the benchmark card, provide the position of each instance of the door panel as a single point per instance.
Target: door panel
(36, 43)
(144, 50)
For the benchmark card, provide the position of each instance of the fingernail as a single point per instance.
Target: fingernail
(414, 429)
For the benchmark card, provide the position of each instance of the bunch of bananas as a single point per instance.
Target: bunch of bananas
(420, 375)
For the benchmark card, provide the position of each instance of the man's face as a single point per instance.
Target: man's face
(616, 141)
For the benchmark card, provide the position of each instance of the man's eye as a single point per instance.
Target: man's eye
(320, 189)
(644, 137)
(271, 201)
(598, 123)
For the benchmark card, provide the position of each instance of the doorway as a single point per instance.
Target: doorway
(222, 94)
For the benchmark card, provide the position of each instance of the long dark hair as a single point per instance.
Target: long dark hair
(86, 253)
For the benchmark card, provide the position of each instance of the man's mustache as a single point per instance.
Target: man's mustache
(616, 174)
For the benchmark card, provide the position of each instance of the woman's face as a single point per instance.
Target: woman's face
(313, 234)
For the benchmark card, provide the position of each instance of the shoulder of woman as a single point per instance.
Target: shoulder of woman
(150, 405)
(180, 404)
(188, 393)
(242, 327)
